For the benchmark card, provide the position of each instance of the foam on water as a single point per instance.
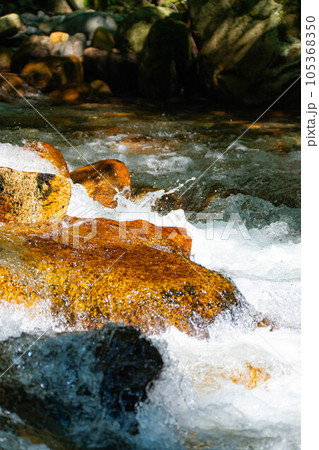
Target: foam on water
(195, 404)
(18, 158)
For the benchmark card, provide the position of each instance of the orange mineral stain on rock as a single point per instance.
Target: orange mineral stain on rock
(30, 197)
(50, 153)
(92, 273)
(248, 376)
(103, 180)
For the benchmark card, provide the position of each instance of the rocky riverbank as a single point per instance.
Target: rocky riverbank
(243, 52)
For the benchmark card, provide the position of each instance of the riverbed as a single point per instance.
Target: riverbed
(239, 200)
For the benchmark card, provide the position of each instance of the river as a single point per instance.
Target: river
(241, 207)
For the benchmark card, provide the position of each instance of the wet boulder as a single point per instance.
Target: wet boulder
(50, 153)
(249, 51)
(9, 25)
(53, 72)
(165, 59)
(35, 197)
(95, 271)
(103, 180)
(31, 49)
(69, 383)
(59, 37)
(28, 197)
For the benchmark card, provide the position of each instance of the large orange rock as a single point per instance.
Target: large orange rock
(92, 273)
(103, 179)
(50, 153)
(29, 197)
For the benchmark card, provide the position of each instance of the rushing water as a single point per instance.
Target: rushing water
(254, 239)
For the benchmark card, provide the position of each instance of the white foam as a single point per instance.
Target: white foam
(18, 158)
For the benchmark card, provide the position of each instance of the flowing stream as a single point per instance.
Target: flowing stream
(243, 215)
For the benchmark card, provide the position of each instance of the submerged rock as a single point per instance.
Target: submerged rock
(103, 180)
(53, 72)
(78, 390)
(28, 197)
(95, 271)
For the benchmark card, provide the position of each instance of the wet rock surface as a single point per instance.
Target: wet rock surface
(78, 390)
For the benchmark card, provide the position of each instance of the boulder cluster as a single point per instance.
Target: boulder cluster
(246, 52)
(94, 271)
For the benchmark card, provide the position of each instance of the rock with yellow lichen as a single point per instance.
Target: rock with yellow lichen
(30, 197)
(103, 180)
(96, 271)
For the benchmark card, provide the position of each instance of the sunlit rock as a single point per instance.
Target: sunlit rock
(51, 154)
(28, 197)
(58, 36)
(103, 180)
(9, 25)
(69, 383)
(95, 271)
(249, 50)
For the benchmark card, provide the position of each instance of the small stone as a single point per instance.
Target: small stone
(101, 89)
(59, 36)
(103, 180)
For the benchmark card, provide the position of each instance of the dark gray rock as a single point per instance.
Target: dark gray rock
(78, 389)
(30, 50)
(117, 70)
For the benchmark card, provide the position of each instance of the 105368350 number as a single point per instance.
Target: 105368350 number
(310, 42)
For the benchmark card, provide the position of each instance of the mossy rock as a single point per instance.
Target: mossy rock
(249, 50)
(165, 59)
(134, 29)
(103, 39)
